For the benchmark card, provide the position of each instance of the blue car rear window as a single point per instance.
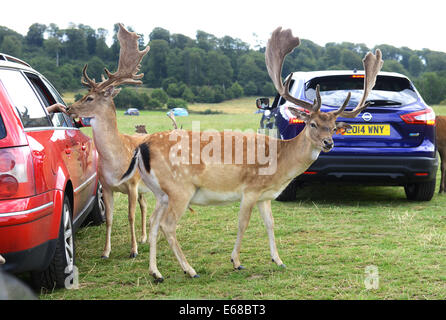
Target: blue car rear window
(388, 91)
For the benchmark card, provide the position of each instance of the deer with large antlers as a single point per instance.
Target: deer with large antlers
(220, 172)
(115, 150)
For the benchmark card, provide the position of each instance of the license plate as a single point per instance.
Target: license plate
(368, 130)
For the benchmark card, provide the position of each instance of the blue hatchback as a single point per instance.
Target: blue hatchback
(392, 143)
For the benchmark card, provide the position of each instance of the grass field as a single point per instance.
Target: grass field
(326, 238)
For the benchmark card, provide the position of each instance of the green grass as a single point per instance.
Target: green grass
(326, 238)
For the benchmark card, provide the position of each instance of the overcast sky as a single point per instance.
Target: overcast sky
(414, 24)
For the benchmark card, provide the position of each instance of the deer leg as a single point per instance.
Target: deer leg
(246, 206)
(132, 198)
(177, 206)
(143, 206)
(155, 218)
(443, 172)
(267, 216)
(108, 202)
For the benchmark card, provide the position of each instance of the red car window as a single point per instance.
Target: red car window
(28, 106)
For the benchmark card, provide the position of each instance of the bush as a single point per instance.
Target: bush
(160, 95)
(188, 95)
(128, 98)
(268, 90)
(154, 104)
(205, 94)
(250, 88)
(219, 94)
(176, 103)
(235, 91)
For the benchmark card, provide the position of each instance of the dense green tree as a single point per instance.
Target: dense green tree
(194, 66)
(188, 95)
(250, 88)
(432, 87)
(219, 70)
(181, 41)
(415, 65)
(154, 65)
(206, 41)
(206, 68)
(159, 34)
(11, 45)
(350, 59)
(75, 46)
(160, 94)
(235, 91)
(436, 61)
(393, 66)
(34, 37)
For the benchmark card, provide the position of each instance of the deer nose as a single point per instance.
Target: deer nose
(328, 144)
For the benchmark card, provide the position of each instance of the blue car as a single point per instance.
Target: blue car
(392, 143)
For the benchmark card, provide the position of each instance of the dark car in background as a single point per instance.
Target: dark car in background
(48, 179)
(391, 143)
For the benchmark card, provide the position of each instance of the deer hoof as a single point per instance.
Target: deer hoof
(240, 267)
(282, 266)
(158, 280)
(196, 276)
(133, 255)
(104, 257)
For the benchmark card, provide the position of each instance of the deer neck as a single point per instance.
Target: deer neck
(296, 155)
(106, 137)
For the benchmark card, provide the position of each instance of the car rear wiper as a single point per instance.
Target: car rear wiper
(378, 102)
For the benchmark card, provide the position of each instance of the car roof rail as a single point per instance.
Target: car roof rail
(7, 57)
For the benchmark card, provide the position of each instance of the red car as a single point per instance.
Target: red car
(48, 180)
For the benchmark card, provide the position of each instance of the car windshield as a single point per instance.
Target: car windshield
(388, 91)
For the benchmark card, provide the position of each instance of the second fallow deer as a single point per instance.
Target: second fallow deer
(115, 149)
(213, 170)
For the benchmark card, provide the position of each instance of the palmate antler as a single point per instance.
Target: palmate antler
(129, 63)
(282, 42)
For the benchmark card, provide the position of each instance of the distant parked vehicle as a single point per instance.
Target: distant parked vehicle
(179, 112)
(392, 143)
(131, 112)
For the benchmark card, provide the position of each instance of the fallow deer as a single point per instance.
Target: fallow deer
(200, 178)
(115, 150)
(441, 146)
(141, 128)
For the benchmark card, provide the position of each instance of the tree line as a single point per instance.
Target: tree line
(206, 68)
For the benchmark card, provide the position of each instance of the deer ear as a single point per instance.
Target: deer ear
(115, 92)
(299, 114)
(110, 91)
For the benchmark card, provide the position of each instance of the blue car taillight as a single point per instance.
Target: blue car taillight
(426, 117)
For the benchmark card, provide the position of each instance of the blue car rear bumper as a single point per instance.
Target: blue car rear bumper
(372, 170)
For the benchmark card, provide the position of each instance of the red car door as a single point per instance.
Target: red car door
(84, 155)
(68, 145)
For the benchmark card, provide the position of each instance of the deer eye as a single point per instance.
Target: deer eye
(313, 125)
(89, 99)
